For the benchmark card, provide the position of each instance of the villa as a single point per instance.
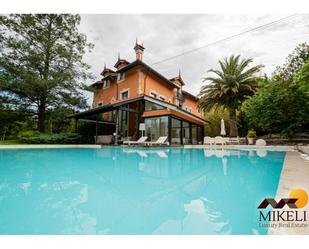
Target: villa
(134, 100)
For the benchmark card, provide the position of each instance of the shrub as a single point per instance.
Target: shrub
(27, 134)
(61, 138)
(251, 133)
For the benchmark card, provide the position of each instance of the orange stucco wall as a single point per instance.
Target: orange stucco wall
(159, 87)
(191, 103)
(140, 82)
(106, 95)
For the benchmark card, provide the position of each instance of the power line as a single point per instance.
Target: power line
(225, 39)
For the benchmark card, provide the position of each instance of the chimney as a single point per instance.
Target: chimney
(139, 50)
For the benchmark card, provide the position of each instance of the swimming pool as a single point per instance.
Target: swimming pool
(117, 190)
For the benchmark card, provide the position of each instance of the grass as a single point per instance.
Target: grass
(9, 142)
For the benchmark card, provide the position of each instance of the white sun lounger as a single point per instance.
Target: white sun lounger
(160, 141)
(220, 140)
(209, 140)
(141, 140)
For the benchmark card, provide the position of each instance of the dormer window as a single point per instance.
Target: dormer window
(120, 77)
(106, 84)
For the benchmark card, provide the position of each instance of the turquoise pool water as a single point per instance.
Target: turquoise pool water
(135, 191)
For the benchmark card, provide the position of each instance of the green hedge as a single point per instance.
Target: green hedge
(61, 138)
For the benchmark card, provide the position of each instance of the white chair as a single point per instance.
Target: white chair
(141, 140)
(209, 140)
(260, 142)
(220, 140)
(233, 140)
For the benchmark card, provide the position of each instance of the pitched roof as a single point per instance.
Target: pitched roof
(179, 79)
(148, 68)
(107, 70)
(121, 61)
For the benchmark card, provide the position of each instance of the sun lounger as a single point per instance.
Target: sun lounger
(141, 140)
(160, 141)
(209, 140)
(220, 140)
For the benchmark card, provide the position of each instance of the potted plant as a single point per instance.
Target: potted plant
(251, 136)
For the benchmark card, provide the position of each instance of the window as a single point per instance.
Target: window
(121, 77)
(176, 131)
(162, 98)
(124, 94)
(149, 106)
(156, 127)
(153, 94)
(106, 83)
(194, 134)
(185, 132)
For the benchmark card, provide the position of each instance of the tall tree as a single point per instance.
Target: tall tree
(41, 62)
(234, 82)
(293, 64)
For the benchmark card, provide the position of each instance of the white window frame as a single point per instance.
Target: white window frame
(155, 93)
(123, 91)
(118, 77)
(106, 84)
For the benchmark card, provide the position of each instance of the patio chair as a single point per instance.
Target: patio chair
(160, 141)
(220, 140)
(209, 140)
(233, 140)
(141, 140)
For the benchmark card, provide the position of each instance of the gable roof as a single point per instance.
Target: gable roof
(179, 79)
(121, 61)
(149, 69)
(107, 71)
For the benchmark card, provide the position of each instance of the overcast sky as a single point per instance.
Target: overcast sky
(164, 36)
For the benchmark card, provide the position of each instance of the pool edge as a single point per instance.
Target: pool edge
(294, 174)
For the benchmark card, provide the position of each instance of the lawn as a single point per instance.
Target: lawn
(8, 142)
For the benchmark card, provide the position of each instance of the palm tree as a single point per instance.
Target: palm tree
(234, 83)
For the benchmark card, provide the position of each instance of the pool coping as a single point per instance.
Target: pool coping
(48, 146)
(294, 175)
(244, 147)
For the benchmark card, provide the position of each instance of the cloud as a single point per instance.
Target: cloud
(167, 35)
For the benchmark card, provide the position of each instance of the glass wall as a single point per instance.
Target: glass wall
(194, 134)
(156, 127)
(186, 132)
(149, 106)
(181, 131)
(176, 131)
(200, 135)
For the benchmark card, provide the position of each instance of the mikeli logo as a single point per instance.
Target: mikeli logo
(291, 216)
